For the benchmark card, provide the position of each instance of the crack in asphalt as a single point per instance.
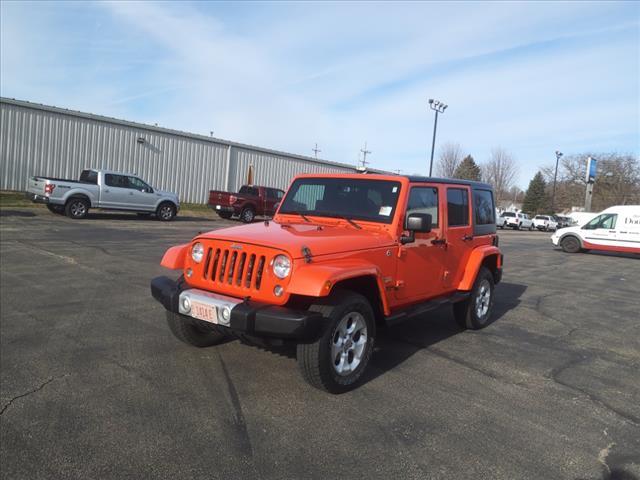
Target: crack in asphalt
(30, 392)
(555, 374)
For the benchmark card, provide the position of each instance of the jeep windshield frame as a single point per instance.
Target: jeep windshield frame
(366, 199)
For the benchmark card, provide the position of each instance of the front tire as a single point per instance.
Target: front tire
(166, 211)
(193, 332)
(475, 311)
(76, 208)
(336, 361)
(225, 215)
(570, 244)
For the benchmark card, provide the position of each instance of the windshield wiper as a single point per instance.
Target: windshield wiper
(350, 221)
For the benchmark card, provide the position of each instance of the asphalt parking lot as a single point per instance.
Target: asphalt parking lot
(93, 384)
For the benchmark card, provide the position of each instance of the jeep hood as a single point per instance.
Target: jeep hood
(292, 238)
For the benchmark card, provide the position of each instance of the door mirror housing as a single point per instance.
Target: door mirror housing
(419, 222)
(416, 222)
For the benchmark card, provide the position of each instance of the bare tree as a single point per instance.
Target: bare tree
(617, 180)
(449, 158)
(500, 171)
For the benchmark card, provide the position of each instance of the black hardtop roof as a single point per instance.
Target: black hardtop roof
(456, 181)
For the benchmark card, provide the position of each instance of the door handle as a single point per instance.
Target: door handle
(467, 238)
(130, 193)
(106, 191)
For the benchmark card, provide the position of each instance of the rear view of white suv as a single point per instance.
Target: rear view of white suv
(517, 221)
(545, 222)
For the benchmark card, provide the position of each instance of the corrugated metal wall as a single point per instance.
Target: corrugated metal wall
(39, 140)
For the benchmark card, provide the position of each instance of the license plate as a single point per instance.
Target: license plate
(217, 207)
(205, 312)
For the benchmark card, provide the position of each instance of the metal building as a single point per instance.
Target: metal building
(42, 140)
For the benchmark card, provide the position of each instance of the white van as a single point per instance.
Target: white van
(616, 229)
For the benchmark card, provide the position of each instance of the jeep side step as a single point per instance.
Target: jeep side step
(420, 308)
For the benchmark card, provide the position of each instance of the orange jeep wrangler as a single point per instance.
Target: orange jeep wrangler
(342, 254)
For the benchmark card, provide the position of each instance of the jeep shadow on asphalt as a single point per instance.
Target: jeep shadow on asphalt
(395, 345)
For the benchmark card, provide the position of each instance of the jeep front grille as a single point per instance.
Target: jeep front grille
(230, 267)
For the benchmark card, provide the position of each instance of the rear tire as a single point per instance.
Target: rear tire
(76, 208)
(336, 361)
(193, 332)
(570, 244)
(247, 215)
(475, 311)
(166, 211)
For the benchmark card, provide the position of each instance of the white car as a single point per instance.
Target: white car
(545, 222)
(616, 229)
(517, 221)
(500, 220)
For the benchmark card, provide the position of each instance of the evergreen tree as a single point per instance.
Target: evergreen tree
(535, 200)
(468, 169)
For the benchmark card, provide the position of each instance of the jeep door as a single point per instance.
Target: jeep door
(459, 235)
(421, 263)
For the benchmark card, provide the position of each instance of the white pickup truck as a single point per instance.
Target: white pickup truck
(102, 189)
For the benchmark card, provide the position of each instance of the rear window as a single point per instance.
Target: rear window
(541, 217)
(247, 190)
(508, 214)
(89, 176)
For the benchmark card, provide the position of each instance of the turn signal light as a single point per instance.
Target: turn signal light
(233, 199)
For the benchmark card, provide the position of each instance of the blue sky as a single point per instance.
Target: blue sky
(528, 77)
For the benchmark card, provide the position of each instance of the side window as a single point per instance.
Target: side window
(424, 200)
(279, 194)
(274, 194)
(606, 220)
(137, 184)
(457, 207)
(119, 181)
(484, 210)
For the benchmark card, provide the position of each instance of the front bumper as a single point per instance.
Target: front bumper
(35, 198)
(247, 317)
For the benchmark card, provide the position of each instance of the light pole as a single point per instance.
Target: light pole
(438, 107)
(555, 177)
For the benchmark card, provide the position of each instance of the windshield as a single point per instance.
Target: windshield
(353, 198)
(508, 214)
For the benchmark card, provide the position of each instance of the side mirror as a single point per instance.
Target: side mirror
(276, 206)
(419, 222)
(148, 190)
(416, 222)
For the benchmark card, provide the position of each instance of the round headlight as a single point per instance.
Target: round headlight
(281, 266)
(197, 252)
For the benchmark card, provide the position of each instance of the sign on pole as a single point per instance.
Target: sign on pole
(591, 170)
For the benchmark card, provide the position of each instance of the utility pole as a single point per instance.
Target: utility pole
(316, 151)
(365, 152)
(555, 177)
(438, 107)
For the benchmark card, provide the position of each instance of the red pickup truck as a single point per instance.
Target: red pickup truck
(250, 201)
